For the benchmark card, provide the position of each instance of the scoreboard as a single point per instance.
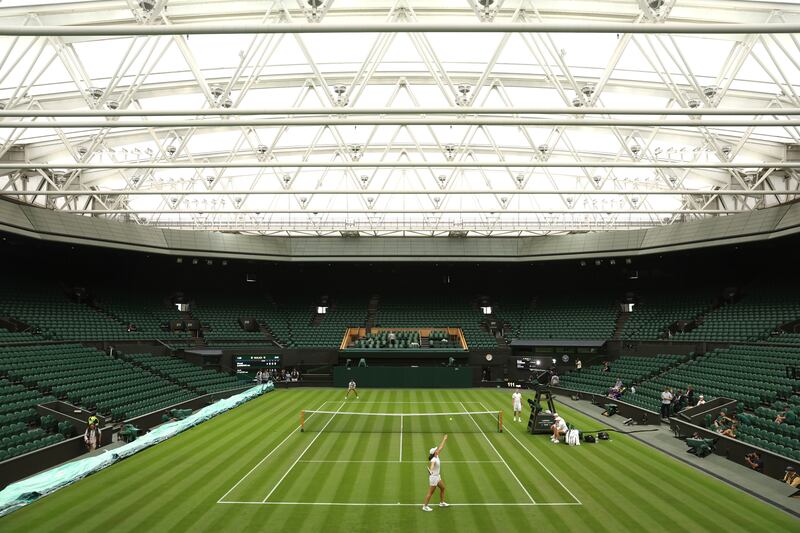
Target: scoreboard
(526, 363)
(247, 365)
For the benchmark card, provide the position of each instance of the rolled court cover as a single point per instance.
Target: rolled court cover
(28, 490)
(352, 422)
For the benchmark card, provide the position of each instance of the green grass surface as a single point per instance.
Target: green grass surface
(255, 454)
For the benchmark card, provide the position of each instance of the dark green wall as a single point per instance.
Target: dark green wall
(403, 377)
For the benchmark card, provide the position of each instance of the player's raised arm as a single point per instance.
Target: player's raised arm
(444, 439)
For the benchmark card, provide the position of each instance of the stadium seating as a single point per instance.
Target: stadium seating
(749, 374)
(46, 307)
(148, 311)
(90, 378)
(784, 338)
(753, 318)
(655, 313)
(631, 370)
(183, 372)
(17, 412)
(423, 311)
(402, 340)
(10, 337)
(587, 317)
(760, 429)
(308, 330)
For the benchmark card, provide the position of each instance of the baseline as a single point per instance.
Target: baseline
(392, 461)
(356, 504)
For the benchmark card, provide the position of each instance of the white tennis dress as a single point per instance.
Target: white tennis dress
(434, 477)
(517, 396)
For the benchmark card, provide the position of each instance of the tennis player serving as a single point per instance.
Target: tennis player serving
(351, 387)
(434, 476)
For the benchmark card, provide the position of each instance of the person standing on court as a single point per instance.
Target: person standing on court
(351, 387)
(435, 477)
(517, 405)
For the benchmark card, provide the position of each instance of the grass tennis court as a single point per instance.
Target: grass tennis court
(252, 469)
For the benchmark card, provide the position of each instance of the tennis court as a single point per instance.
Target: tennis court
(380, 448)
(191, 482)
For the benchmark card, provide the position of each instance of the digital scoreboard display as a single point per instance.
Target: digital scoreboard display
(526, 363)
(247, 365)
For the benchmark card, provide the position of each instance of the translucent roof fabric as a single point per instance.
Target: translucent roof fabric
(336, 71)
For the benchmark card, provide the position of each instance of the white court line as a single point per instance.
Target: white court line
(303, 453)
(427, 403)
(395, 462)
(265, 457)
(355, 504)
(401, 439)
(500, 456)
(578, 502)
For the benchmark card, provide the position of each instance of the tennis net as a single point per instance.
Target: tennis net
(350, 422)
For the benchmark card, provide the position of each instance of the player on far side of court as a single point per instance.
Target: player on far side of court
(434, 476)
(351, 387)
(517, 407)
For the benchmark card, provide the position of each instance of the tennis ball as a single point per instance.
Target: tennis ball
(451, 418)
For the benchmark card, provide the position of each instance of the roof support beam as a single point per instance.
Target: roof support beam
(128, 30)
(457, 121)
(402, 164)
(587, 192)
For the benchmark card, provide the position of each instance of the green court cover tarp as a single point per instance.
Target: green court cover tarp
(28, 490)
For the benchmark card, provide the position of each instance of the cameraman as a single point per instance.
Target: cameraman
(754, 461)
(791, 478)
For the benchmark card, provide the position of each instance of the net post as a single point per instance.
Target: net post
(302, 420)
(500, 422)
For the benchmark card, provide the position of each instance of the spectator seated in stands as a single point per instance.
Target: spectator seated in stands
(295, 375)
(721, 422)
(729, 432)
(701, 400)
(606, 366)
(754, 461)
(617, 390)
(791, 478)
(781, 417)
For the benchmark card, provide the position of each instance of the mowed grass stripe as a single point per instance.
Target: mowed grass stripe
(677, 485)
(151, 462)
(671, 476)
(473, 480)
(546, 487)
(677, 493)
(253, 480)
(613, 500)
(141, 471)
